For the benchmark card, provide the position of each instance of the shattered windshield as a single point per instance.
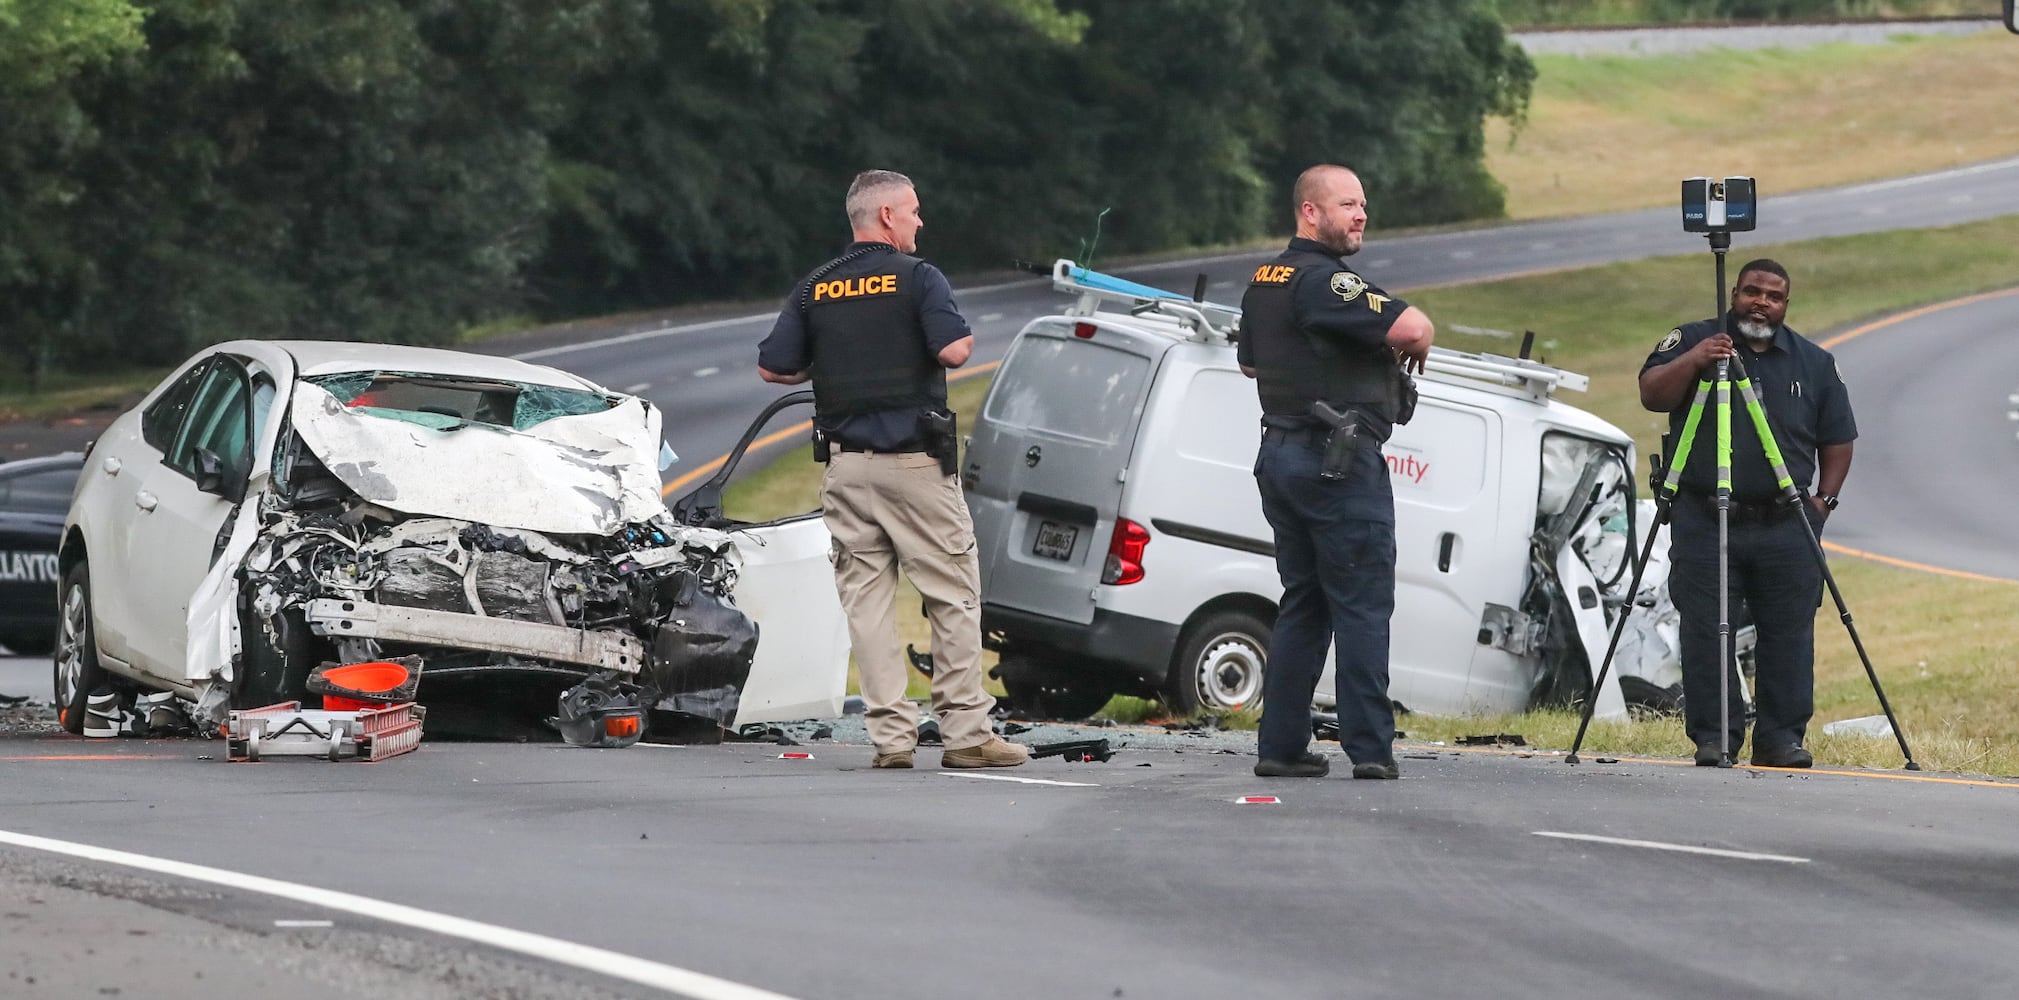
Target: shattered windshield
(441, 402)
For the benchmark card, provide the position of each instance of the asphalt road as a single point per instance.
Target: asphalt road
(1141, 877)
(1937, 463)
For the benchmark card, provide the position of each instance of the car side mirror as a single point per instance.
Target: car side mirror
(213, 478)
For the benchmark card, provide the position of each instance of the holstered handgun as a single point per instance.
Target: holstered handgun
(1341, 443)
(821, 448)
(941, 431)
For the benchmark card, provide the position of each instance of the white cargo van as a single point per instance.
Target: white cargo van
(1123, 547)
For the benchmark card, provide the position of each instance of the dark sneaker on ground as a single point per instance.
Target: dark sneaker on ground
(1309, 765)
(1384, 770)
(997, 752)
(893, 759)
(1709, 754)
(1787, 756)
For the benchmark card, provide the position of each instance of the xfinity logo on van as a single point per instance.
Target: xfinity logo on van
(1408, 467)
(27, 567)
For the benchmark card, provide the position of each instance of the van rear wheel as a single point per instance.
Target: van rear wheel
(1219, 664)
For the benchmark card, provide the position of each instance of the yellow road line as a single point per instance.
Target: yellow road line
(796, 429)
(1909, 564)
(1880, 324)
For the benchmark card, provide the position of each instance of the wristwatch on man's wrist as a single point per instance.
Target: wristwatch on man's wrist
(1829, 500)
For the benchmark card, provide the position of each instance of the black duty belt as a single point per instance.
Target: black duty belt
(1759, 511)
(1312, 437)
(909, 449)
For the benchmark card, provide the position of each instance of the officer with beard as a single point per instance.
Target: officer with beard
(1327, 349)
(1772, 570)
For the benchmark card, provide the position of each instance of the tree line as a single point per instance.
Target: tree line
(181, 172)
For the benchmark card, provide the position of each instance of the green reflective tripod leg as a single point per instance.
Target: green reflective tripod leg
(1724, 499)
(1663, 499)
(1792, 496)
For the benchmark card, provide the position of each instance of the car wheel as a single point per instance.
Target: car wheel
(1037, 691)
(1219, 664)
(77, 670)
(29, 643)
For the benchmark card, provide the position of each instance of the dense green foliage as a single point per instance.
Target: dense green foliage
(188, 171)
(1623, 12)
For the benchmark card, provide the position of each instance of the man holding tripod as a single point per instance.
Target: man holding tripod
(1772, 569)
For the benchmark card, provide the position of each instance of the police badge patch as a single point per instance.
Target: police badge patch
(1668, 343)
(1348, 285)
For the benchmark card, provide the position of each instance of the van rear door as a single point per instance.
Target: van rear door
(1043, 472)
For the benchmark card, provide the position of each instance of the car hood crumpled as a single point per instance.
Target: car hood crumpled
(585, 474)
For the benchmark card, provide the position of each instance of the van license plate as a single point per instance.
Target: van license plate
(1055, 540)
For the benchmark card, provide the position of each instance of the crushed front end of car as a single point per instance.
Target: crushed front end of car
(510, 537)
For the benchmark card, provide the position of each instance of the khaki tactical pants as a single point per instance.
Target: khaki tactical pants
(892, 511)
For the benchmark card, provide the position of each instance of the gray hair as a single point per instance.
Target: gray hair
(865, 195)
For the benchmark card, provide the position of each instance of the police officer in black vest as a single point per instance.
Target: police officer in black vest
(1328, 351)
(875, 330)
(1772, 571)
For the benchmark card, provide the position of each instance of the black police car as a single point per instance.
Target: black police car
(34, 495)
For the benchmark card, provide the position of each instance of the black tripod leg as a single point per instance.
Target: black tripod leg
(1844, 614)
(1618, 627)
(1794, 499)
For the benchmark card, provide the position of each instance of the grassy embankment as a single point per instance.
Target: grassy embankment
(1613, 134)
(1606, 133)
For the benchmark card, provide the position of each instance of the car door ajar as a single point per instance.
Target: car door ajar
(785, 585)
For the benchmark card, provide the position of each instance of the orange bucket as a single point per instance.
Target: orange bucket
(364, 679)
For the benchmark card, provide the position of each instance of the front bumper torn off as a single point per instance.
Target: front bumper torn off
(347, 619)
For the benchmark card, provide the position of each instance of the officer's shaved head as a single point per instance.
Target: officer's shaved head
(870, 191)
(1312, 183)
(1767, 265)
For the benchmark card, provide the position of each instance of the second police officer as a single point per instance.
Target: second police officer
(1328, 351)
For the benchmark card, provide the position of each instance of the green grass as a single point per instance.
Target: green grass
(70, 392)
(1606, 133)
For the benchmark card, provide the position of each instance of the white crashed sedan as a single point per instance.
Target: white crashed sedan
(274, 507)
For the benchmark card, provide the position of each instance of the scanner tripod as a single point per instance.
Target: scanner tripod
(1717, 391)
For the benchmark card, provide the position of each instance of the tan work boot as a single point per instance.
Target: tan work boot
(997, 752)
(893, 759)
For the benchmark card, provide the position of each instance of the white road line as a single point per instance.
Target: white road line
(988, 317)
(705, 372)
(714, 324)
(636, 389)
(1657, 845)
(304, 923)
(1961, 199)
(1020, 781)
(1541, 245)
(1461, 254)
(669, 978)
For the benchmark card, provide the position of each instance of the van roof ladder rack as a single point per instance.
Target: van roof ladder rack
(1213, 323)
(1208, 322)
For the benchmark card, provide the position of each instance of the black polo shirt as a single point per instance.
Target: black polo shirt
(786, 351)
(1806, 401)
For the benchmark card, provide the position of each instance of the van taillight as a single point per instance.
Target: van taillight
(1125, 553)
(1083, 330)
